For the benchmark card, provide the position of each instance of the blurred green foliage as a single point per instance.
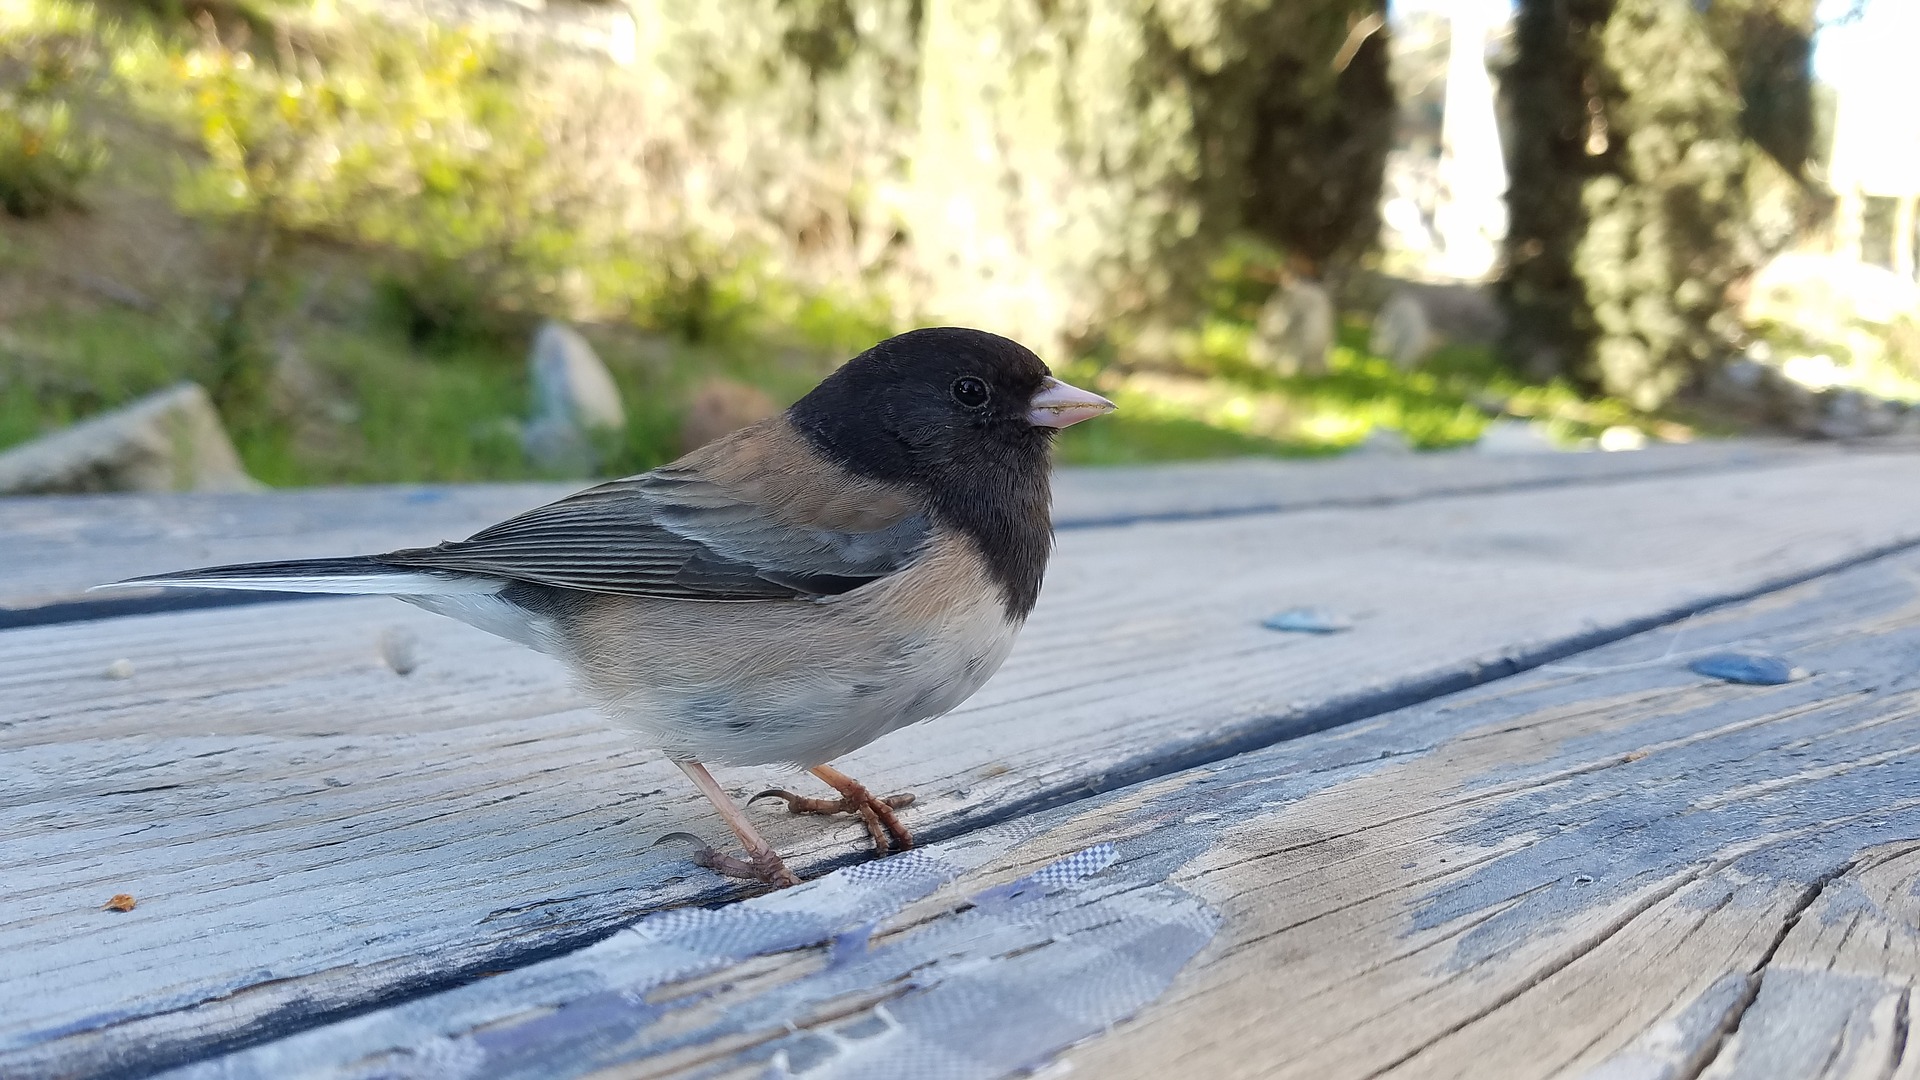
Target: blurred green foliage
(405, 140)
(1203, 394)
(1656, 162)
(388, 208)
(45, 154)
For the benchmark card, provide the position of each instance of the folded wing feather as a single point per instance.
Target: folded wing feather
(672, 533)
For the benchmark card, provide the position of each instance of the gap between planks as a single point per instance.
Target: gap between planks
(60, 546)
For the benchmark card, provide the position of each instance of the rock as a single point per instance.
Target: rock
(1515, 437)
(1295, 330)
(1799, 403)
(719, 407)
(1866, 316)
(576, 405)
(1760, 393)
(1401, 332)
(1383, 441)
(108, 289)
(1621, 437)
(1447, 314)
(1854, 414)
(304, 395)
(315, 408)
(168, 441)
(1816, 372)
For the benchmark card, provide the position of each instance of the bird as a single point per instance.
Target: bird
(786, 594)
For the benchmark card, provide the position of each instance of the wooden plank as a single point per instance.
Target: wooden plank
(1835, 998)
(310, 832)
(1094, 496)
(1611, 868)
(54, 548)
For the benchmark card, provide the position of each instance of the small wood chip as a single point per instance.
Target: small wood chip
(120, 902)
(400, 648)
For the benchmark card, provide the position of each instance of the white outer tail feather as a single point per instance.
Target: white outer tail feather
(397, 583)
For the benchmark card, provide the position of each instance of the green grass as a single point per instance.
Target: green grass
(452, 413)
(368, 405)
(401, 416)
(1211, 400)
(373, 406)
(1123, 439)
(57, 367)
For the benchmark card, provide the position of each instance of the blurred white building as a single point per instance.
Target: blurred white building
(1874, 165)
(1444, 198)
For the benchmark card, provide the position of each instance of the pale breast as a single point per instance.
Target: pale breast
(800, 681)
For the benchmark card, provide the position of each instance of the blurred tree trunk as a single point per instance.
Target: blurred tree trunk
(1078, 164)
(1059, 170)
(1654, 165)
(1321, 129)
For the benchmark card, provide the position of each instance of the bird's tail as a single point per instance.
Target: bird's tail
(363, 574)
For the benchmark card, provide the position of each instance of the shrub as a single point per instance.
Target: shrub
(1655, 162)
(44, 156)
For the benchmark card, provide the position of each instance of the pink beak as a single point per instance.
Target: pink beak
(1059, 405)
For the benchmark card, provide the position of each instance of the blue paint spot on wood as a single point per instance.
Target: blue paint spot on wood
(1784, 787)
(1308, 620)
(1750, 669)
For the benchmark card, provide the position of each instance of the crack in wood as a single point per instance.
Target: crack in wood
(1897, 1052)
(1730, 1025)
(1545, 971)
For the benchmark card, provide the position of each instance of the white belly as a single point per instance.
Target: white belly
(813, 718)
(792, 681)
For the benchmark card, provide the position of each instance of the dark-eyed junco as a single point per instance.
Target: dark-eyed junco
(786, 594)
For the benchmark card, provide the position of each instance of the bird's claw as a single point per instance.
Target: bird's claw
(679, 838)
(889, 833)
(801, 804)
(763, 866)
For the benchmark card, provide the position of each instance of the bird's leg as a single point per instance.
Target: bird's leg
(762, 862)
(876, 811)
(888, 831)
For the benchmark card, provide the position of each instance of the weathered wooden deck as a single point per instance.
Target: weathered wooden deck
(1496, 829)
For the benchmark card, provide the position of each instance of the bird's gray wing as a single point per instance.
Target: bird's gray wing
(683, 532)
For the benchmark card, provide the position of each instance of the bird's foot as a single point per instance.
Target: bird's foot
(764, 865)
(889, 833)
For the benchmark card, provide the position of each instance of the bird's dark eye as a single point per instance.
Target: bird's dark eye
(970, 391)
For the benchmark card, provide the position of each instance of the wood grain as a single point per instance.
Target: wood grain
(53, 549)
(1835, 998)
(1611, 868)
(307, 831)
